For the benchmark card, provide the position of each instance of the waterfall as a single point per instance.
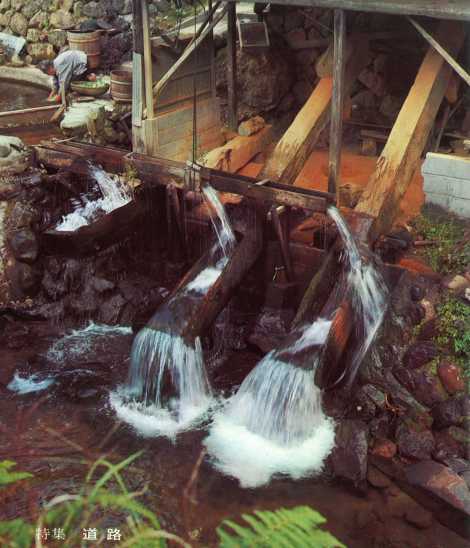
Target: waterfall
(369, 293)
(114, 194)
(167, 389)
(274, 424)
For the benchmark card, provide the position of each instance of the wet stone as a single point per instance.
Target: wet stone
(84, 304)
(377, 479)
(349, 457)
(447, 446)
(24, 245)
(413, 441)
(54, 289)
(100, 285)
(110, 310)
(448, 413)
(451, 377)
(29, 278)
(386, 449)
(420, 354)
(427, 388)
(419, 517)
(442, 482)
(380, 426)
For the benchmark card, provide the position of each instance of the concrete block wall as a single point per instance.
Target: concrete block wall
(447, 182)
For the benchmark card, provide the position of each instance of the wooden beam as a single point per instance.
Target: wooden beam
(442, 51)
(138, 97)
(441, 9)
(160, 171)
(336, 126)
(401, 155)
(192, 46)
(232, 66)
(296, 145)
(147, 61)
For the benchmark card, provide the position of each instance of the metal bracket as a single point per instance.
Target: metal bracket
(192, 177)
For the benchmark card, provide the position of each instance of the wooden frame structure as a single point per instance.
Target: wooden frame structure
(326, 103)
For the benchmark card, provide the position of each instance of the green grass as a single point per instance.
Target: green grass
(453, 338)
(451, 250)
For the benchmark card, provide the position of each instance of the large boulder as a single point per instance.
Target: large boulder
(442, 482)
(349, 457)
(262, 79)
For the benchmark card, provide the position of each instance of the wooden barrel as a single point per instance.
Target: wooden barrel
(121, 86)
(89, 42)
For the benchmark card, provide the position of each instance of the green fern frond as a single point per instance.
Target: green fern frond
(290, 528)
(7, 477)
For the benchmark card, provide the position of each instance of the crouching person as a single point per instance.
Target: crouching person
(69, 66)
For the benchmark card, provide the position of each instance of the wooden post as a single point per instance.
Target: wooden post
(232, 65)
(336, 126)
(138, 99)
(402, 153)
(147, 47)
(288, 158)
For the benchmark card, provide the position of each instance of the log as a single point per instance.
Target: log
(102, 233)
(296, 145)
(190, 314)
(409, 135)
(319, 288)
(238, 151)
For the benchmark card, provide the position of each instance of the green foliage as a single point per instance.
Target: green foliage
(454, 326)
(451, 252)
(108, 497)
(16, 533)
(283, 528)
(7, 476)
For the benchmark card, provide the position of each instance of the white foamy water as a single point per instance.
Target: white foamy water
(29, 384)
(275, 424)
(369, 293)
(82, 341)
(114, 194)
(221, 223)
(167, 390)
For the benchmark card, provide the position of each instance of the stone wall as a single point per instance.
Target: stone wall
(43, 23)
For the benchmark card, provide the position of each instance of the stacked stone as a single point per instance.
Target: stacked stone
(43, 23)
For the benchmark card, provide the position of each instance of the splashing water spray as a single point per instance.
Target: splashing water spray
(275, 423)
(167, 389)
